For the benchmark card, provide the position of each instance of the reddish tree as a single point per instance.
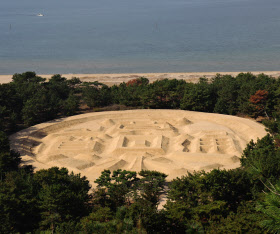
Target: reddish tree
(258, 101)
(277, 142)
(259, 97)
(137, 82)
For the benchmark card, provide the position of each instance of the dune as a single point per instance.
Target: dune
(171, 141)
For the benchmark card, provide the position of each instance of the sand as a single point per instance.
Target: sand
(171, 141)
(112, 79)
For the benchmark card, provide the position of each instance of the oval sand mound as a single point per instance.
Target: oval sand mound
(170, 141)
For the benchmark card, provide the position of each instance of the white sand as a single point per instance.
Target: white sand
(170, 141)
(111, 79)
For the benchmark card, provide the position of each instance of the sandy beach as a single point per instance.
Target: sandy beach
(112, 79)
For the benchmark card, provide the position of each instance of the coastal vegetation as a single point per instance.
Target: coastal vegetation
(243, 200)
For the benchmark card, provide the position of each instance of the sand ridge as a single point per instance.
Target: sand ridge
(171, 141)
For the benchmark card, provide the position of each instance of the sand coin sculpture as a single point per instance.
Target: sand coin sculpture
(170, 141)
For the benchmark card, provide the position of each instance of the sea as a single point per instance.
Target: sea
(137, 36)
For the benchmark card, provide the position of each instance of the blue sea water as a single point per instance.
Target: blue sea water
(124, 36)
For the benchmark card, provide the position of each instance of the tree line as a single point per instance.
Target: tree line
(246, 199)
(30, 99)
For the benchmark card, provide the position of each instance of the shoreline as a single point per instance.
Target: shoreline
(117, 78)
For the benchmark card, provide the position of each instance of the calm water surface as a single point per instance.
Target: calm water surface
(123, 36)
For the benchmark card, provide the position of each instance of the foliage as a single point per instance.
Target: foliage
(245, 220)
(206, 197)
(220, 201)
(61, 196)
(262, 160)
(131, 197)
(163, 94)
(138, 81)
(96, 94)
(226, 89)
(258, 101)
(9, 160)
(151, 186)
(30, 99)
(118, 185)
(18, 203)
(271, 208)
(198, 97)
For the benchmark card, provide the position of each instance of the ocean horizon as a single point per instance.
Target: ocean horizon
(129, 36)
